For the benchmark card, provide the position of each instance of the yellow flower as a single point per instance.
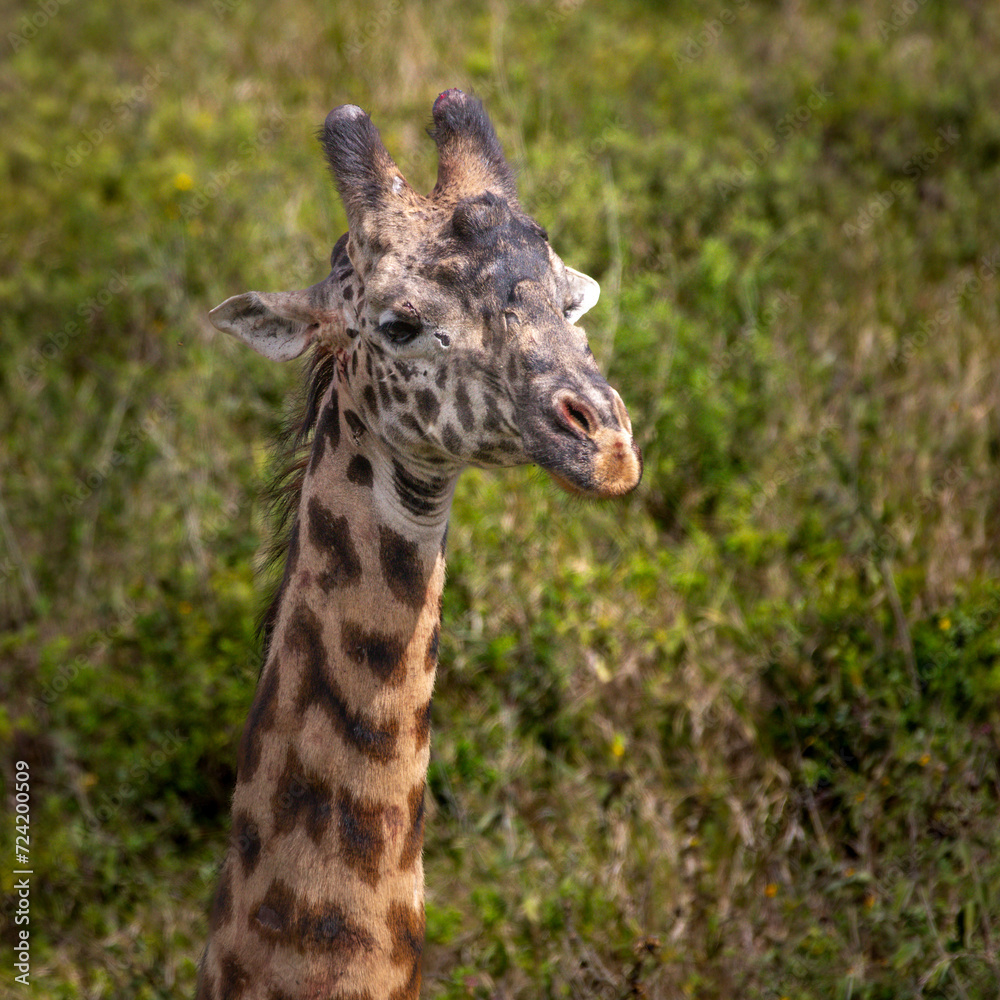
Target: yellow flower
(771, 890)
(183, 182)
(944, 624)
(925, 759)
(618, 746)
(869, 900)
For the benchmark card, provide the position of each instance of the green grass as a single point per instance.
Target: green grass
(736, 736)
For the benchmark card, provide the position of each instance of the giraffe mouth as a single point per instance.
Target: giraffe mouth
(612, 471)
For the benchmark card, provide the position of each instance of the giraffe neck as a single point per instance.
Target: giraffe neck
(321, 893)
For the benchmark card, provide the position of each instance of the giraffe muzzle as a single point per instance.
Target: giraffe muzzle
(586, 451)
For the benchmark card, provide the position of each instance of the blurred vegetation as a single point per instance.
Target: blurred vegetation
(737, 736)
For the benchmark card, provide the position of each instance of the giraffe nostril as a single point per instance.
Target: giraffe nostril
(576, 415)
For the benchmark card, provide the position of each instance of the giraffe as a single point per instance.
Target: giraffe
(445, 335)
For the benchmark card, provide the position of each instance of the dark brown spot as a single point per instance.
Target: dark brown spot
(269, 918)
(325, 926)
(410, 990)
(301, 797)
(377, 744)
(348, 293)
(362, 840)
(431, 659)
(442, 377)
(427, 404)
(383, 395)
(399, 394)
(422, 725)
(317, 687)
(451, 440)
(414, 842)
(222, 905)
(410, 421)
(359, 471)
(327, 431)
(304, 638)
(259, 721)
(382, 654)
(371, 400)
(401, 567)
(406, 928)
(273, 917)
(245, 837)
(492, 421)
(332, 536)
(233, 979)
(309, 928)
(464, 408)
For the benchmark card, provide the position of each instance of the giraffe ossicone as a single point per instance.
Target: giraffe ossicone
(445, 335)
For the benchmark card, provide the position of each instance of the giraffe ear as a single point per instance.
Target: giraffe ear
(584, 292)
(281, 325)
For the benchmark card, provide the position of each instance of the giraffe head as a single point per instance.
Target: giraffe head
(453, 320)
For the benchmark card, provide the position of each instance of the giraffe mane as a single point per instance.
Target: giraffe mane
(290, 458)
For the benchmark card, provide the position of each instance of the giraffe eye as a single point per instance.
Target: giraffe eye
(398, 331)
